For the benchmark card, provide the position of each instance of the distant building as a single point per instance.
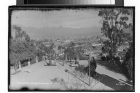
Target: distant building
(96, 44)
(47, 44)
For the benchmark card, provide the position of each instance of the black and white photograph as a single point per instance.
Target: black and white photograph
(71, 49)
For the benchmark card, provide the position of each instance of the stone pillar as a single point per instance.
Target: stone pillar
(36, 59)
(29, 63)
(19, 65)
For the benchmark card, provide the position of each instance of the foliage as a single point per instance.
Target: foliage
(128, 63)
(50, 51)
(20, 51)
(21, 47)
(117, 27)
(114, 26)
(69, 52)
(20, 35)
(82, 69)
(74, 52)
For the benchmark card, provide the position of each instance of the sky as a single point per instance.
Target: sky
(57, 23)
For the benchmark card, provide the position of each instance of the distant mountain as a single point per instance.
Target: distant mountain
(62, 33)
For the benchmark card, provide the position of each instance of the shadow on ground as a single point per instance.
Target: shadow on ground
(111, 66)
(116, 67)
(113, 83)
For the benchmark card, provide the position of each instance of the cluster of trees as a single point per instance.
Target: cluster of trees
(50, 52)
(23, 48)
(117, 27)
(73, 52)
(40, 50)
(69, 52)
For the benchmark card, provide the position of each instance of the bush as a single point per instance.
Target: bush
(128, 63)
(21, 50)
(81, 68)
(85, 70)
(82, 57)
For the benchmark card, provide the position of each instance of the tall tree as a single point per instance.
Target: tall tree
(115, 23)
(69, 52)
(20, 47)
(17, 31)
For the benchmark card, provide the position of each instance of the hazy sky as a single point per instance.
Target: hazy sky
(75, 20)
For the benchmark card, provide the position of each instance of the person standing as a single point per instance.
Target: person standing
(93, 66)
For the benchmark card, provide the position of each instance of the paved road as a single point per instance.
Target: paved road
(37, 76)
(55, 77)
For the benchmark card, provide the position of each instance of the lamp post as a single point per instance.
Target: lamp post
(89, 67)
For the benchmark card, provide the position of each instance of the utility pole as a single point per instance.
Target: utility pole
(89, 69)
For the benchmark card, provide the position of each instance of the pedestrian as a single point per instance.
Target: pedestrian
(93, 66)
